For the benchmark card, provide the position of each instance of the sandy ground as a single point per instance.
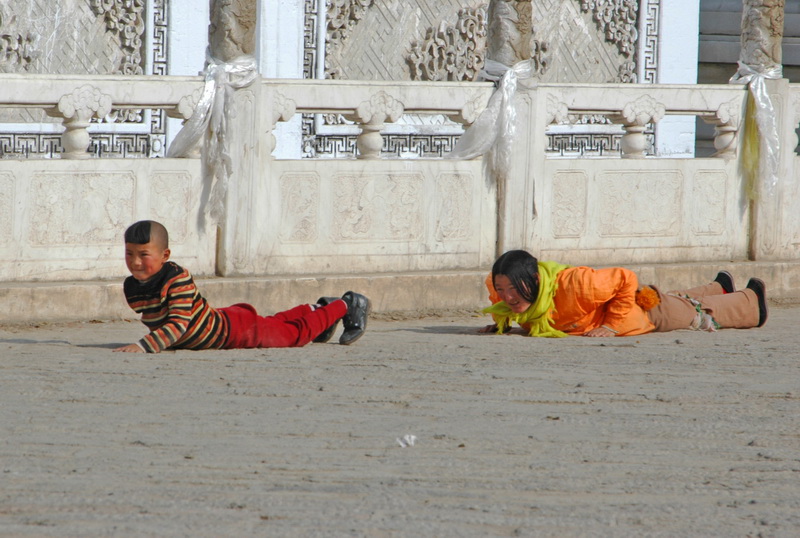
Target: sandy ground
(676, 434)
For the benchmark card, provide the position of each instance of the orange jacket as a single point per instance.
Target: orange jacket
(587, 298)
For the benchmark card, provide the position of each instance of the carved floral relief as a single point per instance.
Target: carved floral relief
(617, 19)
(124, 18)
(17, 51)
(451, 52)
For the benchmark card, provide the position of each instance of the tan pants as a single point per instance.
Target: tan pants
(738, 310)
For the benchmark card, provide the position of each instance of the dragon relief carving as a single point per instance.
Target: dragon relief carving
(617, 19)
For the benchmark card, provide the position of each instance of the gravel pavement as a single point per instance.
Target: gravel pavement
(422, 428)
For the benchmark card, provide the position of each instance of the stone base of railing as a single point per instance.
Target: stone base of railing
(412, 294)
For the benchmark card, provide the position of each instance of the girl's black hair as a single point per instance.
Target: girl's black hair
(522, 269)
(144, 231)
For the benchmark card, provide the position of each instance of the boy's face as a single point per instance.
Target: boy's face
(145, 260)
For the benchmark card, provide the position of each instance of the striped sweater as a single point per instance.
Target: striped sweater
(175, 312)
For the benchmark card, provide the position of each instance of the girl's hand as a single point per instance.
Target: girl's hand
(600, 332)
(130, 348)
(488, 329)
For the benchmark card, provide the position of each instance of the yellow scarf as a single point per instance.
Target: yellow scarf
(538, 314)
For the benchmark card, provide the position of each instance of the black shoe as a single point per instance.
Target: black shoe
(725, 280)
(758, 286)
(326, 335)
(355, 321)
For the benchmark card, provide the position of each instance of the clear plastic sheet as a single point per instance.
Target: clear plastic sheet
(493, 131)
(760, 145)
(211, 114)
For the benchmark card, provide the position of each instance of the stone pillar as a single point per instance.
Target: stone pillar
(509, 40)
(762, 32)
(232, 35)
(232, 29)
(510, 33)
(761, 41)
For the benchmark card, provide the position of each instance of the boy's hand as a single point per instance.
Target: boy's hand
(488, 329)
(130, 348)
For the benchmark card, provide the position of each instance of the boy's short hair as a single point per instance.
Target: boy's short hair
(144, 231)
(522, 269)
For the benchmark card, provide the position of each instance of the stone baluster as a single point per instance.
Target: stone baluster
(635, 116)
(726, 127)
(371, 116)
(77, 110)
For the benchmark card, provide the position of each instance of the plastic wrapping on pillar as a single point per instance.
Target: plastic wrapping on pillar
(761, 144)
(211, 115)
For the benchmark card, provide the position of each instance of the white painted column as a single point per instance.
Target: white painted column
(279, 51)
(187, 42)
(679, 29)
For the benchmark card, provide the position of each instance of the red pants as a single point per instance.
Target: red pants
(293, 328)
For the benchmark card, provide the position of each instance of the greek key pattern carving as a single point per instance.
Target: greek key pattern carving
(649, 52)
(617, 19)
(451, 52)
(343, 15)
(584, 144)
(124, 19)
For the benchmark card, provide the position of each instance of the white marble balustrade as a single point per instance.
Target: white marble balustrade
(61, 219)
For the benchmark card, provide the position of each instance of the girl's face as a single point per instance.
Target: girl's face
(508, 293)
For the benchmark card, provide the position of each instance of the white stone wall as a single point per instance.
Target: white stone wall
(64, 219)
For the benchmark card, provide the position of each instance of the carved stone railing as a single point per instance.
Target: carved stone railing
(77, 100)
(377, 214)
(635, 106)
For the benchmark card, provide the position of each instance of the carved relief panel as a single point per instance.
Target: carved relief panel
(299, 207)
(100, 206)
(639, 200)
(380, 207)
